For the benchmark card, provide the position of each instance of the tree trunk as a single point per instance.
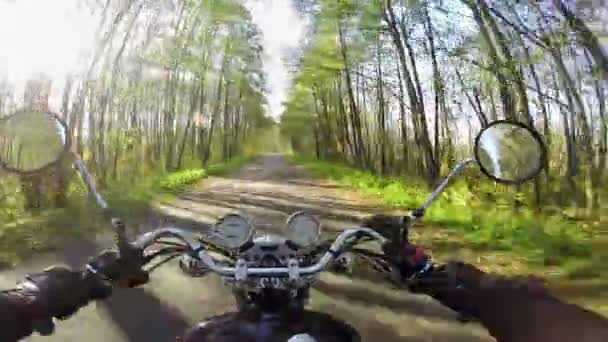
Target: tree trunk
(511, 65)
(437, 82)
(226, 124)
(404, 135)
(356, 120)
(216, 111)
(193, 106)
(381, 113)
(505, 90)
(416, 103)
(586, 37)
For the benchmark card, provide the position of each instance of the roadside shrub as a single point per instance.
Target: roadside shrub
(179, 181)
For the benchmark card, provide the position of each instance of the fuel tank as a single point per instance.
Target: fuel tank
(307, 326)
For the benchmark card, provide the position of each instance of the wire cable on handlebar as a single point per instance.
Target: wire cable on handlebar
(199, 250)
(165, 251)
(162, 262)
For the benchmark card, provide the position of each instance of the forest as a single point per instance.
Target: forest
(400, 89)
(171, 85)
(386, 96)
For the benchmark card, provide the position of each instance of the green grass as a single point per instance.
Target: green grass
(177, 182)
(481, 223)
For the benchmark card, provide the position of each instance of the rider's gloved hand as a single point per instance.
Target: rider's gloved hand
(59, 292)
(387, 225)
(393, 228)
(406, 259)
(119, 269)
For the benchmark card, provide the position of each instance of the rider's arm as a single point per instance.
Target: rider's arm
(512, 309)
(57, 293)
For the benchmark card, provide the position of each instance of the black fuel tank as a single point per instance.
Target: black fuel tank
(250, 327)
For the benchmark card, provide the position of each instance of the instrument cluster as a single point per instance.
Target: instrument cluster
(235, 231)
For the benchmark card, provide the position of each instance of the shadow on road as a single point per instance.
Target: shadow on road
(277, 203)
(140, 315)
(143, 317)
(373, 298)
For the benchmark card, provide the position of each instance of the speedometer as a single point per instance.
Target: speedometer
(234, 230)
(303, 229)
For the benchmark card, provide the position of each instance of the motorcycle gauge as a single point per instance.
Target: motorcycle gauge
(303, 229)
(234, 230)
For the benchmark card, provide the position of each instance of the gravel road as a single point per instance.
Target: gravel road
(267, 190)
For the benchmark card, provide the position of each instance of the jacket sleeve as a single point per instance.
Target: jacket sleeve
(520, 316)
(57, 292)
(15, 321)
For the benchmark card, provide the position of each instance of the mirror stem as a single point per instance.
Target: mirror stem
(456, 170)
(116, 222)
(88, 180)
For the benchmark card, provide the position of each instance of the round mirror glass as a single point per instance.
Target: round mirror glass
(31, 141)
(509, 152)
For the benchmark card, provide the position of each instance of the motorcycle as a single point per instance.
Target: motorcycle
(270, 276)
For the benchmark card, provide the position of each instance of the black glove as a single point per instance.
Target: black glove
(59, 292)
(408, 259)
(393, 228)
(405, 258)
(118, 269)
(15, 323)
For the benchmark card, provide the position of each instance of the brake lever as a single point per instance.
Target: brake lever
(125, 248)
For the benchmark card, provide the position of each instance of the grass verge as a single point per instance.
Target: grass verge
(482, 225)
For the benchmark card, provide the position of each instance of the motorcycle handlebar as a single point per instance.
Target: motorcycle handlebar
(198, 251)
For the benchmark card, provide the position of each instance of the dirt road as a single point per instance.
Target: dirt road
(268, 191)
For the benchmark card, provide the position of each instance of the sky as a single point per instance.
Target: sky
(53, 36)
(43, 36)
(282, 29)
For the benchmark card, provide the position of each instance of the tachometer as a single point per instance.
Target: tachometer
(234, 230)
(303, 229)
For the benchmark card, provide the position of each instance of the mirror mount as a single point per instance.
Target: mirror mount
(88, 181)
(116, 222)
(512, 152)
(419, 212)
(456, 170)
